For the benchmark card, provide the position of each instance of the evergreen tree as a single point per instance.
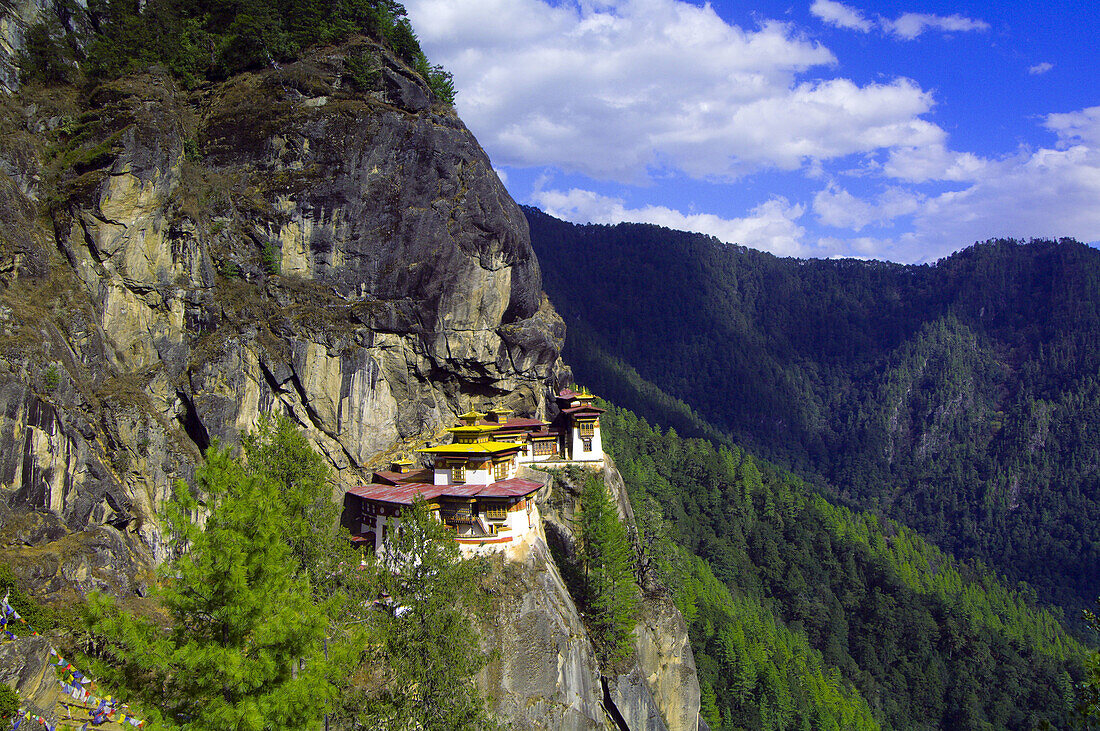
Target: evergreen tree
(244, 650)
(423, 650)
(276, 450)
(273, 621)
(610, 596)
(9, 702)
(813, 616)
(1088, 705)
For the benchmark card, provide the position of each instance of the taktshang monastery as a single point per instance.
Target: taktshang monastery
(471, 483)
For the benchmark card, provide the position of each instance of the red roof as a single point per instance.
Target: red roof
(514, 487)
(389, 477)
(583, 408)
(406, 493)
(516, 424)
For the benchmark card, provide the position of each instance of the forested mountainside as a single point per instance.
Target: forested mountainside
(960, 398)
(806, 615)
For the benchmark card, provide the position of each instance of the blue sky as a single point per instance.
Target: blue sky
(888, 130)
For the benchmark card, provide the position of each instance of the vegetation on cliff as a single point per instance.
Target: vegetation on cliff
(273, 620)
(245, 646)
(608, 593)
(804, 612)
(961, 399)
(215, 39)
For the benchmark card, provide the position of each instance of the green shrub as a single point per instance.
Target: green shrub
(36, 616)
(9, 701)
(46, 57)
(191, 150)
(229, 269)
(363, 72)
(272, 258)
(440, 81)
(53, 378)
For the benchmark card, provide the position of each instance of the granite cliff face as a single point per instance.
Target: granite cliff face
(544, 673)
(175, 262)
(660, 688)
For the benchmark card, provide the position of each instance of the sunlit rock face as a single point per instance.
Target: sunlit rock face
(176, 263)
(659, 688)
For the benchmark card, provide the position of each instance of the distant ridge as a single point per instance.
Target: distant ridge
(962, 398)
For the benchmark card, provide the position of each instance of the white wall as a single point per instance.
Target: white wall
(593, 455)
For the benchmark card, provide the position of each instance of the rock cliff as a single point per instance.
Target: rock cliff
(660, 689)
(306, 240)
(175, 262)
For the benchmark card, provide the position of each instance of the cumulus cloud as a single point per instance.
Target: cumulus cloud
(628, 89)
(1075, 128)
(841, 15)
(933, 161)
(1040, 68)
(838, 208)
(642, 91)
(1044, 192)
(907, 26)
(770, 226)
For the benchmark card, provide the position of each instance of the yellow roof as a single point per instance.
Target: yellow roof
(476, 448)
(474, 429)
(471, 414)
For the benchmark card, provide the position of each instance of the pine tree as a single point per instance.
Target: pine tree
(244, 649)
(424, 650)
(278, 451)
(610, 595)
(1087, 713)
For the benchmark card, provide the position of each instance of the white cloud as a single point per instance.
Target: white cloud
(911, 25)
(838, 208)
(841, 15)
(1045, 192)
(626, 89)
(862, 247)
(770, 226)
(933, 162)
(641, 91)
(1076, 127)
(1040, 68)
(907, 26)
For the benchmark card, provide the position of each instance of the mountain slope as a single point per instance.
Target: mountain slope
(960, 397)
(189, 240)
(174, 262)
(803, 612)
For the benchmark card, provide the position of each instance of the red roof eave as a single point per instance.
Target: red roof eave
(583, 409)
(405, 494)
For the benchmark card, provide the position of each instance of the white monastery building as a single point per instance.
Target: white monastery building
(471, 483)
